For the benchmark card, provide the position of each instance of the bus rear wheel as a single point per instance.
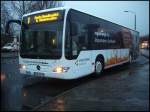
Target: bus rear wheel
(98, 67)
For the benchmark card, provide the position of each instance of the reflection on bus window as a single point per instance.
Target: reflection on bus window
(42, 41)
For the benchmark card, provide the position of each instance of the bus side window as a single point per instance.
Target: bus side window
(75, 39)
(74, 29)
(79, 38)
(68, 46)
(83, 37)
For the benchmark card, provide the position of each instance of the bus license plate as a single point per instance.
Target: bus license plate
(38, 74)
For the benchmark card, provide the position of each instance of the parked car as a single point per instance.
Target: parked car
(10, 47)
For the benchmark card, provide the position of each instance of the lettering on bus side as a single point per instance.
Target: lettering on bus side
(82, 61)
(103, 37)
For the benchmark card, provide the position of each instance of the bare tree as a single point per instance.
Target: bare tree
(21, 7)
(46, 4)
(5, 16)
(16, 9)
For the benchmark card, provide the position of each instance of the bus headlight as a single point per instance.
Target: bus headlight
(60, 69)
(22, 66)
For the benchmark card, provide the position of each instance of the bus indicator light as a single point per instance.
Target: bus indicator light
(58, 69)
(22, 66)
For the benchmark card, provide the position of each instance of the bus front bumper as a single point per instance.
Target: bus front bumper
(64, 75)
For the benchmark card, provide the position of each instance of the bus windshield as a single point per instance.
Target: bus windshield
(42, 40)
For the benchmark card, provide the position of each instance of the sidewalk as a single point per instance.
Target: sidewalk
(9, 54)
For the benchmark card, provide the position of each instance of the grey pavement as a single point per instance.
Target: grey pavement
(9, 55)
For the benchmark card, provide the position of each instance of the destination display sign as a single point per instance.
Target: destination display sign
(43, 17)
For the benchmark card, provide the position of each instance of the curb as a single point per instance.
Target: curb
(146, 56)
(9, 55)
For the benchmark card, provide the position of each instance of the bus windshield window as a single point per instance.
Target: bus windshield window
(43, 41)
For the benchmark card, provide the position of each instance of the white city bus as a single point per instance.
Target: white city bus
(65, 43)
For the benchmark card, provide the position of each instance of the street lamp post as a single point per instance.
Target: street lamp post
(134, 18)
(23, 6)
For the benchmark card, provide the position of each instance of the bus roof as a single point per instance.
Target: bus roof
(106, 20)
(46, 10)
(68, 8)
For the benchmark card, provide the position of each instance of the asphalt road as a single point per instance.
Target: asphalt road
(28, 93)
(123, 88)
(119, 86)
(145, 52)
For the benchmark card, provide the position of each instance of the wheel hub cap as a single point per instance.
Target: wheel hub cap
(98, 67)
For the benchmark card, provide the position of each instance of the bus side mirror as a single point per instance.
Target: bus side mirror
(13, 21)
(8, 24)
(74, 29)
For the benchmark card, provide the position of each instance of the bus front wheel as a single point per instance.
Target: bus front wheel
(98, 67)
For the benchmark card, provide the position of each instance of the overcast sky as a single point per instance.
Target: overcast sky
(114, 12)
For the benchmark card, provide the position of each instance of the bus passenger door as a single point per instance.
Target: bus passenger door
(84, 62)
(84, 57)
